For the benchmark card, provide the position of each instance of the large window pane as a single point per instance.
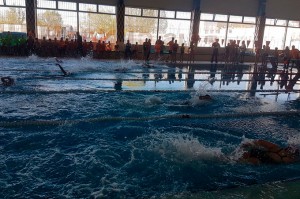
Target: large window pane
(15, 2)
(1, 2)
(46, 4)
(275, 35)
(137, 29)
(293, 37)
(12, 19)
(150, 13)
(107, 9)
(183, 15)
(53, 23)
(242, 32)
(133, 11)
(88, 7)
(94, 27)
(167, 14)
(66, 5)
(179, 29)
(209, 31)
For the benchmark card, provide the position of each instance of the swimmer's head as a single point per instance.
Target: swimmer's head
(205, 97)
(293, 151)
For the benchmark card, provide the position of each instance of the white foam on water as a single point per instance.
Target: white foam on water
(184, 148)
(153, 100)
(33, 58)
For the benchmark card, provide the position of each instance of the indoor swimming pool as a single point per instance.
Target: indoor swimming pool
(119, 129)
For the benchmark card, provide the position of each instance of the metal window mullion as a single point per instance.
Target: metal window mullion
(157, 31)
(284, 37)
(77, 11)
(226, 34)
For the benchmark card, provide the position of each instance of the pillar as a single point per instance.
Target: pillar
(31, 17)
(260, 24)
(195, 22)
(120, 20)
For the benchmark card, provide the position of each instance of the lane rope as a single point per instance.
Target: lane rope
(25, 123)
(112, 90)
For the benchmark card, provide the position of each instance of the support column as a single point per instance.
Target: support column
(31, 17)
(195, 22)
(120, 20)
(260, 24)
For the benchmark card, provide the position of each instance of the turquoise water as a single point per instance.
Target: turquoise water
(100, 140)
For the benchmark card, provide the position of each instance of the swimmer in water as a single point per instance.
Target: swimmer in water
(264, 152)
(62, 70)
(202, 99)
(7, 81)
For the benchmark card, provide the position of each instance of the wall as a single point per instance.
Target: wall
(182, 5)
(287, 9)
(232, 7)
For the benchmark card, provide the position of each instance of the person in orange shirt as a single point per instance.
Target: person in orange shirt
(174, 51)
(294, 56)
(170, 44)
(157, 49)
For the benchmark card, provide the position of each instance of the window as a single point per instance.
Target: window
(54, 23)
(179, 29)
(137, 29)
(167, 14)
(280, 22)
(241, 32)
(46, 4)
(150, 13)
(249, 20)
(183, 15)
(12, 19)
(270, 21)
(66, 5)
(209, 31)
(221, 17)
(88, 7)
(293, 37)
(294, 24)
(235, 18)
(95, 27)
(133, 11)
(15, 2)
(1, 2)
(107, 9)
(205, 16)
(275, 35)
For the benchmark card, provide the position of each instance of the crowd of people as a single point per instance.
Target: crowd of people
(170, 51)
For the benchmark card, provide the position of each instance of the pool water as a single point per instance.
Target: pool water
(119, 130)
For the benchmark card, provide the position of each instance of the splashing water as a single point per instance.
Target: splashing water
(184, 148)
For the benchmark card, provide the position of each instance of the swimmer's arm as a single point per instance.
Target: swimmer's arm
(267, 145)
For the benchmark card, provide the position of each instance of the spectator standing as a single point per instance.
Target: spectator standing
(215, 52)
(242, 51)
(128, 50)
